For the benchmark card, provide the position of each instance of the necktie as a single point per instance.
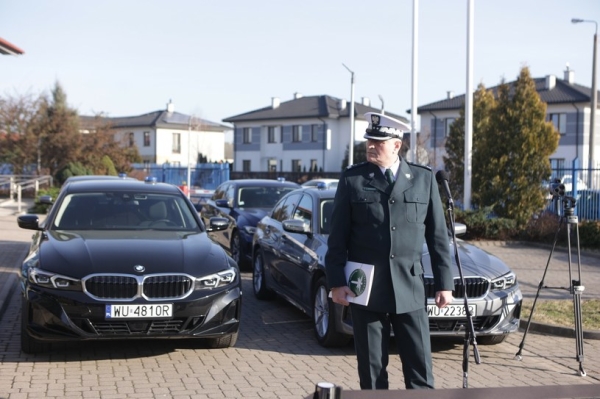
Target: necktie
(389, 176)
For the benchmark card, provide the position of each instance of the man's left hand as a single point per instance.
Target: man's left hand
(443, 298)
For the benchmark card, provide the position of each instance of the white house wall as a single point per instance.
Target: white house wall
(260, 151)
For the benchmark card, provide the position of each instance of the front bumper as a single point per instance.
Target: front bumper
(68, 316)
(497, 313)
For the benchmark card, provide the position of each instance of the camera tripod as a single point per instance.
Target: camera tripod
(576, 289)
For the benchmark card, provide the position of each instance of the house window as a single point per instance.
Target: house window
(247, 133)
(146, 139)
(296, 165)
(560, 122)
(131, 139)
(313, 165)
(447, 124)
(272, 165)
(296, 133)
(146, 165)
(176, 143)
(246, 165)
(314, 133)
(557, 164)
(271, 134)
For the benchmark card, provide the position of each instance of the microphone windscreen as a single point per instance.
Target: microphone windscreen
(442, 175)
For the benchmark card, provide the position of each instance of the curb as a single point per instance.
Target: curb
(559, 331)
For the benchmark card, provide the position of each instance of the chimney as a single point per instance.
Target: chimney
(550, 82)
(297, 95)
(342, 104)
(366, 101)
(275, 102)
(569, 75)
(170, 107)
(450, 94)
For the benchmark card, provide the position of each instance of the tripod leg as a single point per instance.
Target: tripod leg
(578, 289)
(518, 354)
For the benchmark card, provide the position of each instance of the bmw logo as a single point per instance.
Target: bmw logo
(139, 268)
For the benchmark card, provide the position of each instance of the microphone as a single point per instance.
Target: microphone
(442, 178)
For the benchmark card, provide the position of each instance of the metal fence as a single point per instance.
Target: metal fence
(581, 184)
(17, 185)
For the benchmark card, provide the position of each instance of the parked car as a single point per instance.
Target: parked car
(289, 248)
(242, 203)
(323, 183)
(125, 259)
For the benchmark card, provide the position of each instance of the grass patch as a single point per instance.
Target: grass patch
(561, 313)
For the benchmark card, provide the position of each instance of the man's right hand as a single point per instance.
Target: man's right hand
(338, 295)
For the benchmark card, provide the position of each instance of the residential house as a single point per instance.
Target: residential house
(303, 134)
(568, 107)
(170, 137)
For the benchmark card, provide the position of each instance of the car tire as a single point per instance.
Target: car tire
(226, 341)
(29, 344)
(261, 291)
(324, 318)
(236, 250)
(491, 339)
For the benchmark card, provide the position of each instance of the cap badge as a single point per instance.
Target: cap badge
(375, 120)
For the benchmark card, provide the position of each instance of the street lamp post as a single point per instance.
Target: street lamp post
(594, 99)
(351, 146)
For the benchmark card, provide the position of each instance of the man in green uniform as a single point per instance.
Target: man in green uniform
(383, 221)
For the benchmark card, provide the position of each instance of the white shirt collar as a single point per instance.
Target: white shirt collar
(393, 168)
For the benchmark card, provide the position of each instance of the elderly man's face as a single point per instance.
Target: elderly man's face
(383, 152)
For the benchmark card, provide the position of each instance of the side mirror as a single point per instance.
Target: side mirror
(217, 224)
(460, 229)
(29, 222)
(222, 203)
(296, 226)
(46, 199)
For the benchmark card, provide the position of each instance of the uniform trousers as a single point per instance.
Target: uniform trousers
(372, 339)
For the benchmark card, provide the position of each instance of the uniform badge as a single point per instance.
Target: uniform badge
(375, 120)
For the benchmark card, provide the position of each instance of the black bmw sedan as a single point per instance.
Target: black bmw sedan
(125, 259)
(289, 250)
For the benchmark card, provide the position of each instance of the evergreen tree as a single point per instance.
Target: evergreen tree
(483, 106)
(515, 152)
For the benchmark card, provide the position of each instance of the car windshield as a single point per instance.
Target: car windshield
(261, 197)
(121, 210)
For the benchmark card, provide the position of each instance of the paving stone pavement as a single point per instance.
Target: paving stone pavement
(276, 355)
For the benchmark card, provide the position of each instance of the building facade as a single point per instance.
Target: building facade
(568, 107)
(169, 137)
(300, 135)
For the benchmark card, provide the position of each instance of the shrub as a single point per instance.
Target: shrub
(483, 224)
(40, 208)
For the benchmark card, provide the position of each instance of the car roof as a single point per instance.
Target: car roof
(97, 177)
(263, 182)
(328, 193)
(120, 185)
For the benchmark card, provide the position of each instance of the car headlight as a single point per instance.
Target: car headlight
(250, 230)
(504, 282)
(217, 280)
(52, 280)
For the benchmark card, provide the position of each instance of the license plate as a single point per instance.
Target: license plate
(139, 311)
(450, 311)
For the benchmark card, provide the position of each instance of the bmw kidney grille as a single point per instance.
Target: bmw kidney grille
(126, 287)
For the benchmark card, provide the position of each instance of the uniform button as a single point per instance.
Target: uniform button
(392, 256)
(392, 201)
(393, 228)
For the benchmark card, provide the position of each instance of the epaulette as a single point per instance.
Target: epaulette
(356, 165)
(419, 165)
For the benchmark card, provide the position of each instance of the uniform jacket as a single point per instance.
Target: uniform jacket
(386, 226)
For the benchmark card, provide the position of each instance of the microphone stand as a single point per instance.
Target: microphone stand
(470, 331)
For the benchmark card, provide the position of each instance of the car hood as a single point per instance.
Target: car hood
(252, 215)
(77, 254)
(474, 262)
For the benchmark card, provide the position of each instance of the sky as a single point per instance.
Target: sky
(219, 58)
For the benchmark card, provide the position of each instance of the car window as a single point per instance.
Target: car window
(261, 197)
(304, 210)
(220, 192)
(284, 208)
(325, 222)
(124, 210)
